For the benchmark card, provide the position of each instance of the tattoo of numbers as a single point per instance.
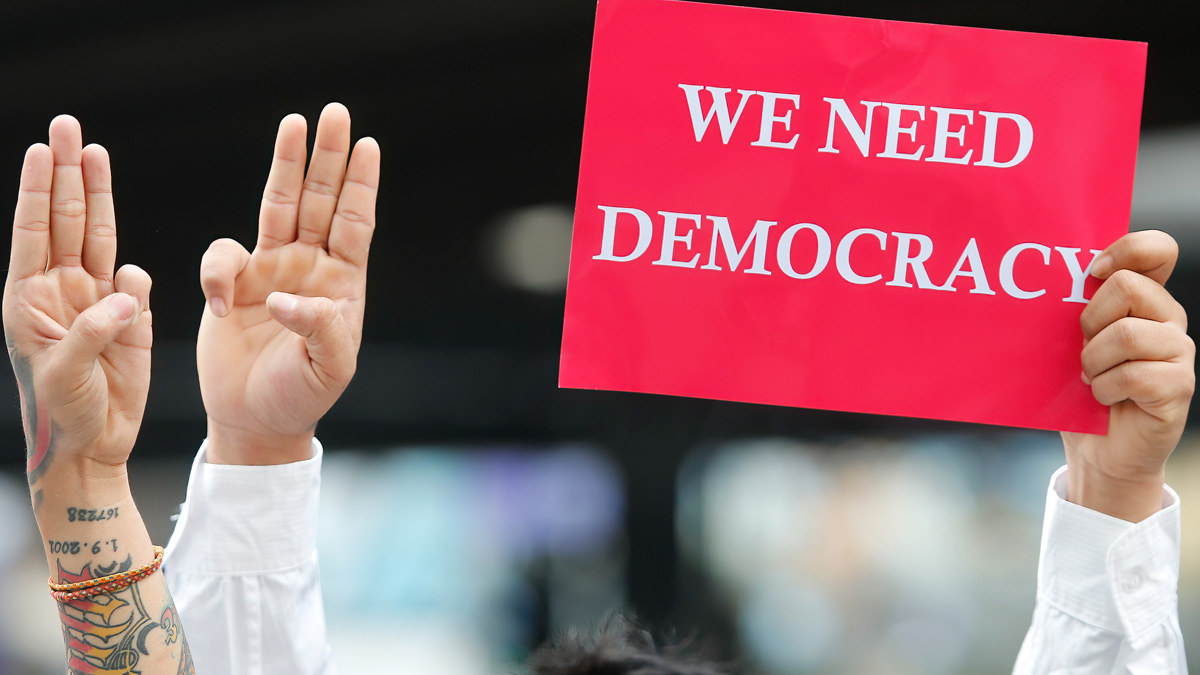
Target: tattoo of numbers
(91, 515)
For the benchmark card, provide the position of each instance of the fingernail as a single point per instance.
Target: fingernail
(282, 304)
(218, 307)
(1086, 380)
(122, 305)
(1101, 265)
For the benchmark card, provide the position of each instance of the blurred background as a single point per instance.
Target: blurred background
(500, 508)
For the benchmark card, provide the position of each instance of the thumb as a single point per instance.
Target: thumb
(325, 333)
(94, 329)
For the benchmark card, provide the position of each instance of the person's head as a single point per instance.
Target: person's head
(617, 647)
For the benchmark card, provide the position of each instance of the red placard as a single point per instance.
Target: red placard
(849, 214)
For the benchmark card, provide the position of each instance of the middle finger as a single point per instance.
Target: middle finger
(67, 198)
(326, 171)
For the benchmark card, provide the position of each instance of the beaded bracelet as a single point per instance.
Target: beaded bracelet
(115, 582)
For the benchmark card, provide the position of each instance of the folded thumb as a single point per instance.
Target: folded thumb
(96, 327)
(325, 333)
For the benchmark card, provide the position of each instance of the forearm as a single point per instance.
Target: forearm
(90, 529)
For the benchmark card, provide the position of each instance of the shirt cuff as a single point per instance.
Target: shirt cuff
(247, 519)
(1113, 574)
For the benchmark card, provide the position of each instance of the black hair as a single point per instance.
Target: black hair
(617, 647)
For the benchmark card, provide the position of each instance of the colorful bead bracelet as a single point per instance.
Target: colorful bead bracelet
(115, 582)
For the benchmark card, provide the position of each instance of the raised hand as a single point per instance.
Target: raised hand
(281, 328)
(1139, 360)
(78, 335)
(79, 338)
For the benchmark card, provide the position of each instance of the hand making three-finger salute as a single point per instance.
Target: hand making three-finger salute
(79, 333)
(278, 343)
(281, 329)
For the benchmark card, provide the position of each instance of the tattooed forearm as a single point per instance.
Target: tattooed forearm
(185, 662)
(114, 632)
(173, 634)
(169, 624)
(39, 442)
(106, 633)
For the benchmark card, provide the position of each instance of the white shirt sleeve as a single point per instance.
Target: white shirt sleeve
(242, 569)
(1106, 597)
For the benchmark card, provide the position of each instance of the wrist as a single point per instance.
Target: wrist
(228, 445)
(82, 481)
(102, 529)
(1129, 498)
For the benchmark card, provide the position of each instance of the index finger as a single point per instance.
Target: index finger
(31, 223)
(281, 197)
(68, 200)
(1151, 253)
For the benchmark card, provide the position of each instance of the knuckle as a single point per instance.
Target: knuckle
(34, 225)
(1086, 319)
(1179, 313)
(89, 327)
(68, 208)
(278, 197)
(1128, 378)
(320, 187)
(1187, 380)
(1127, 333)
(354, 216)
(1137, 245)
(326, 311)
(102, 229)
(1124, 284)
(270, 236)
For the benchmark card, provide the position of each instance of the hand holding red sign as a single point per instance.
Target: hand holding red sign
(847, 214)
(1140, 361)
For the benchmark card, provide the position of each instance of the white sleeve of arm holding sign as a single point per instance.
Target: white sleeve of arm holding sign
(242, 568)
(1106, 596)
